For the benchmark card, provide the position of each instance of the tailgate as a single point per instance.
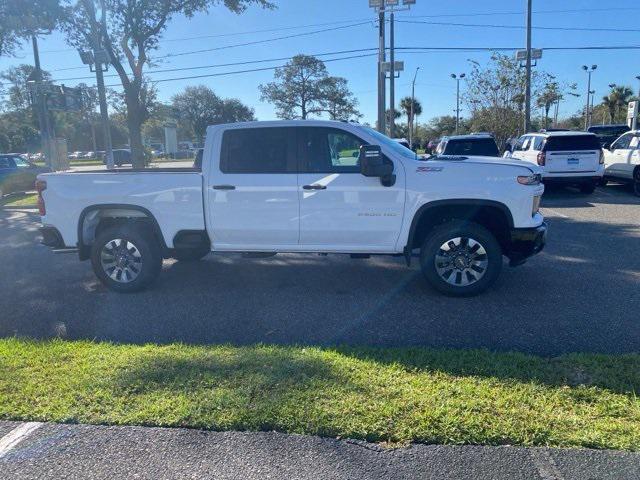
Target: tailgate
(572, 161)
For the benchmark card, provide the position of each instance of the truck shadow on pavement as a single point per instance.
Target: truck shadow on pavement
(580, 295)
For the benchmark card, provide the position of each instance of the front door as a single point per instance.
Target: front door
(340, 209)
(253, 191)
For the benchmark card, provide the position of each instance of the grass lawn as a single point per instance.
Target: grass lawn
(20, 200)
(384, 395)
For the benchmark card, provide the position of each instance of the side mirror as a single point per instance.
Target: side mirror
(373, 164)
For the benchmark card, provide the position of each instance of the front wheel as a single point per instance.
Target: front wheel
(636, 182)
(126, 258)
(461, 258)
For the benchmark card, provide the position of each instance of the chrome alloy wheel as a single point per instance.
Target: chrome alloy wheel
(461, 261)
(121, 260)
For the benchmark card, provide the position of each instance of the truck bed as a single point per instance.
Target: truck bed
(172, 196)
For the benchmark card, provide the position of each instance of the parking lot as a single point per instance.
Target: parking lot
(582, 294)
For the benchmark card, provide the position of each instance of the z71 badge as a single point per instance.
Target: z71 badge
(428, 169)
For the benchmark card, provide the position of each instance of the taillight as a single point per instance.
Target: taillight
(601, 157)
(542, 159)
(41, 186)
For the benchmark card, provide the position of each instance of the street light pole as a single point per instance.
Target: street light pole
(413, 101)
(382, 81)
(586, 112)
(457, 78)
(392, 74)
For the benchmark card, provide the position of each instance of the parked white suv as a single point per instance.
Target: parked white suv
(571, 158)
(302, 187)
(622, 160)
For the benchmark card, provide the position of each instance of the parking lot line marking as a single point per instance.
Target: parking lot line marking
(15, 436)
(555, 212)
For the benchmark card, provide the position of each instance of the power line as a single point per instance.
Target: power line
(244, 44)
(521, 27)
(491, 14)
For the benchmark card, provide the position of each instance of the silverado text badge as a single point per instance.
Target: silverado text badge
(428, 169)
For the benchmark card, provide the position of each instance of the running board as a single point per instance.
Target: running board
(65, 250)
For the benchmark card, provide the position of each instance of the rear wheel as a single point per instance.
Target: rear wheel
(461, 258)
(636, 182)
(126, 258)
(588, 187)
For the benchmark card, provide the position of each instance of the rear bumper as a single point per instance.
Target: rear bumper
(573, 179)
(51, 237)
(526, 242)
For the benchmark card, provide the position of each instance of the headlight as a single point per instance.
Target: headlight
(533, 179)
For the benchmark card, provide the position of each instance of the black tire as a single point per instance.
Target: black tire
(491, 264)
(636, 182)
(588, 188)
(190, 255)
(147, 261)
(604, 181)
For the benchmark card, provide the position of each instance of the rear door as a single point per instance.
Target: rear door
(253, 191)
(572, 154)
(617, 157)
(341, 210)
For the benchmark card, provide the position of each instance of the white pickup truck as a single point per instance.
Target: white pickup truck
(301, 187)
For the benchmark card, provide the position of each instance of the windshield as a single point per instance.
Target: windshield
(392, 144)
(484, 147)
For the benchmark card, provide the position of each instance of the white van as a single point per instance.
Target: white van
(571, 158)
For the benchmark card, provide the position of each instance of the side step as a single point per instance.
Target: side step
(258, 254)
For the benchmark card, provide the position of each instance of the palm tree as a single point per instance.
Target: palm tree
(611, 105)
(405, 105)
(620, 97)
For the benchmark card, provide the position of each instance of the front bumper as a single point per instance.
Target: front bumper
(526, 242)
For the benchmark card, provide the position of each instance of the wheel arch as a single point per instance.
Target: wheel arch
(494, 215)
(95, 217)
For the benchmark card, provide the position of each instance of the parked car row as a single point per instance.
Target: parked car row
(17, 174)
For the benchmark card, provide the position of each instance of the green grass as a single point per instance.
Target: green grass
(383, 395)
(20, 200)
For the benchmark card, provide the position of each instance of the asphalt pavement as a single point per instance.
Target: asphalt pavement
(582, 294)
(50, 451)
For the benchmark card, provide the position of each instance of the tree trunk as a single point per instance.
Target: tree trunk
(135, 119)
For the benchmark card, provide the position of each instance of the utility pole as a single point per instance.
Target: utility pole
(527, 92)
(593, 96)
(40, 103)
(457, 78)
(382, 76)
(634, 122)
(589, 71)
(392, 74)
(98, 61)
(413, 101)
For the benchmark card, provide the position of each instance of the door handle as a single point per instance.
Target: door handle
(315, 186)
(224, 187)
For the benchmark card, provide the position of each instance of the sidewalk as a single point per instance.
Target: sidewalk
(52, 451)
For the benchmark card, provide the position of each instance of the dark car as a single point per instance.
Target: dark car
(464, 145)
(17, 174)
(607, 134)
(121, 156)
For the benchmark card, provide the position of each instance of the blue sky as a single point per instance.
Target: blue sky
(435, 88)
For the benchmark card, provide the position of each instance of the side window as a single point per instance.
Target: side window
(623, 142)
(635, 142)
(537, 143)
(4, 162)
(20, 162)
(329, 150)
(258, 150)
(441, 147)
(519, 146)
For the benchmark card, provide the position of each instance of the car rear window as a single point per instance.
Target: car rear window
(485, 147)
(577, 142)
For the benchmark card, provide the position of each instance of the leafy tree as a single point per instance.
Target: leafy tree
(200, 107)
(299, 88)
(339, 102)
(617, 101)
(19, 19)
(17, 91)
(130, 30)
(5, 142)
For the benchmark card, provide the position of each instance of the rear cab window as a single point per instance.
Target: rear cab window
(571, 143)
(481, 146)
(258, 150)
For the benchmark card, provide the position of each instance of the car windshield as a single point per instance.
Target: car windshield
(608, 131)
(392, 144)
